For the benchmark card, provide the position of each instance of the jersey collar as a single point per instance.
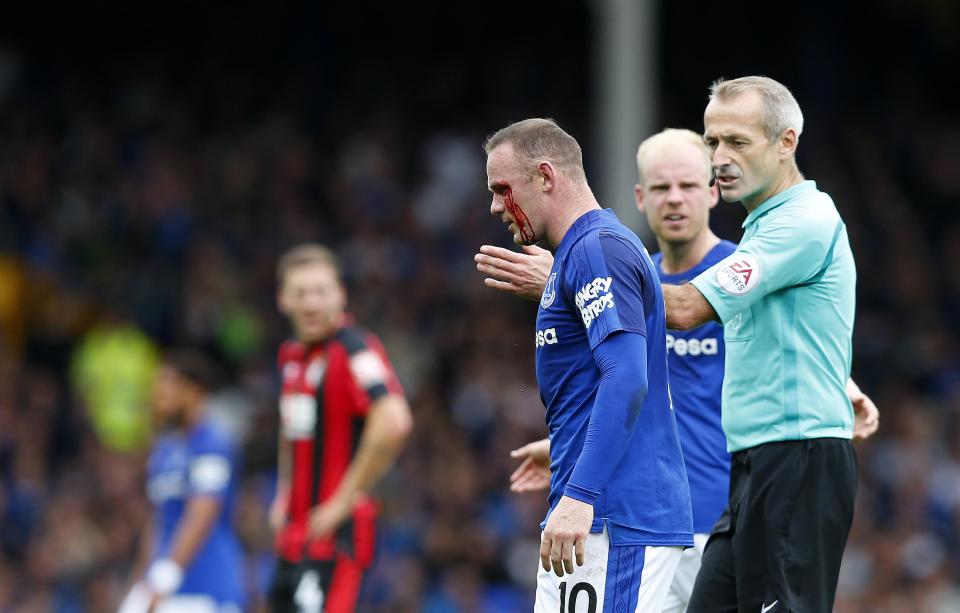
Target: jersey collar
(580, 227)
(777, 199)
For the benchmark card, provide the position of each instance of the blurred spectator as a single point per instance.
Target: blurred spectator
(112, 370)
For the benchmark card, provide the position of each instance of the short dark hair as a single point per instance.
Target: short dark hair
(307, 253)
(195, 366)
(538, 139)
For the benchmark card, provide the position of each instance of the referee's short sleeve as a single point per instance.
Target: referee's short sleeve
(788, 249)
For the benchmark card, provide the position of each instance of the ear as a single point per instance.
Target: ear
(638, 197)
(546, 175)
(714, 195)
(788, 143)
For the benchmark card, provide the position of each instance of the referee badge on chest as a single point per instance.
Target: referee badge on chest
(549, 292)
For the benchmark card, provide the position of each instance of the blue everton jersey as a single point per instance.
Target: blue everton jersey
(695, 359)
(201, 462)
(603, 282)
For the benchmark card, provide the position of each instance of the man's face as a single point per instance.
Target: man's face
(169, 395)
(676, 194)
(745, 161)
(516, 199)
(313, 299)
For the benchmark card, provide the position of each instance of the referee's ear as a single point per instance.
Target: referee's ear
(787, 143)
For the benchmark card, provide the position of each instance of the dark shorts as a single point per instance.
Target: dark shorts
(779, 543)
(316, 586)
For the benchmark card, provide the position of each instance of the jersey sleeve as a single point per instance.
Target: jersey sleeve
(787, 250)
(605, 280)
(211, 464)
(370, 367)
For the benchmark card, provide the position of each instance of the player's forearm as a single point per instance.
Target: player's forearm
(283, 465)
(165, 575)
(144, 549)
(193, 530)
(620, 396)
(686, 307)
(387, 428)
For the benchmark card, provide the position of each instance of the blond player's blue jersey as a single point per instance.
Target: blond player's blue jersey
(786, 298)
(603, 284)
(696, 359)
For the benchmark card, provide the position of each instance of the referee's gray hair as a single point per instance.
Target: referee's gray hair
(781, 110)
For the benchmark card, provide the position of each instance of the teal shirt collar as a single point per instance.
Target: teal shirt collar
(778, 199)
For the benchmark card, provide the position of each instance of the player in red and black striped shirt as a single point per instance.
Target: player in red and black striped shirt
(343, 420)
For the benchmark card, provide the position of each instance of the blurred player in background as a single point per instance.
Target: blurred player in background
(195, 558)
(343, 420)
(619, 499)
(675, 193)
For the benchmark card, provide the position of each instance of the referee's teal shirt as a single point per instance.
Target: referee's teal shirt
(786, 298)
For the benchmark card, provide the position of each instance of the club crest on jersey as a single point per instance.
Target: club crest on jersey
(738, 274)
(315, 371)
(549, 292)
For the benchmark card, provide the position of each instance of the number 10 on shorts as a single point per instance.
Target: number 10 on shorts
(575, 593)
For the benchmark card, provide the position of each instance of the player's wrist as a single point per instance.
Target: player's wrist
(164, 577)
(581, 494)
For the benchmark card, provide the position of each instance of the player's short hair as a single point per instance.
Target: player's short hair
(781, 110)
(195, 366)
(307, 253)
(672, 136)
(541, 139)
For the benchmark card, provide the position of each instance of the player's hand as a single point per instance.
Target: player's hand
(521, 273)
(866, 415)
(154, 602)
(278, 512)
(325, 518)
(139, 599)
(533, 474)
(565, 535)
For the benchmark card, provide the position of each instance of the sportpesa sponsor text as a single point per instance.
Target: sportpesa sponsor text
(679, 346)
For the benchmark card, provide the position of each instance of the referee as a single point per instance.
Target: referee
(786, 298)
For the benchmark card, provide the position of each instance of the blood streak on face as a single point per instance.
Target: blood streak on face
(524, 226)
